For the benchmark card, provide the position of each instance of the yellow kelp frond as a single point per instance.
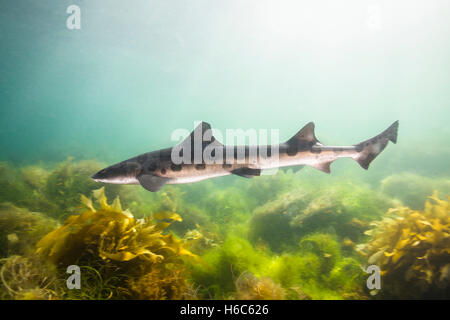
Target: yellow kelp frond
(100, 196)
(167, 215)
(114, 232)
(87, 202)
(109, 240)
(411, 247)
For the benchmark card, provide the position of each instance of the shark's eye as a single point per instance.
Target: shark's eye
(163, 171)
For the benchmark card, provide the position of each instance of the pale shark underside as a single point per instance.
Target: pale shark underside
(200, 156)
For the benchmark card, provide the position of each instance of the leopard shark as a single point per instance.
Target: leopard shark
(200, 156)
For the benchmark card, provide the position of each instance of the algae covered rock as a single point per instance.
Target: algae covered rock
(12, 188)
(412, 249)
(412, 189)
(21, 229)
(249, 287)
(271, 223)
(343, 208)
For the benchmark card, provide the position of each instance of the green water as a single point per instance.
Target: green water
(135, 72)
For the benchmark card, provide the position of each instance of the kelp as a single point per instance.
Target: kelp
(412, 249)
(121, 250)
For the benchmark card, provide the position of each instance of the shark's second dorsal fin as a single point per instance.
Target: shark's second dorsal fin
(305, 136)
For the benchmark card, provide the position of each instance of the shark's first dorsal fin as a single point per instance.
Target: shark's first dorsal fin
(199, 146)
(203, 132)
(305, 136)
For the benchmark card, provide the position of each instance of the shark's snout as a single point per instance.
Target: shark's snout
(99, 176)
(95, 176)
(121, 173)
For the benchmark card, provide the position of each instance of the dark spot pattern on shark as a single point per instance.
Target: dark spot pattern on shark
(152, 166)
(176, 167)
(201, 166)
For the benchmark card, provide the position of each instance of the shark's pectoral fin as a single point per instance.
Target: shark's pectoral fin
(247, 172)
(323, 166)
(152, 182)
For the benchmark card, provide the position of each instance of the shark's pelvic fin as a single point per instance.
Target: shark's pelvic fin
(247, 172)
(323, 166)
(369, 149)
(152, 182)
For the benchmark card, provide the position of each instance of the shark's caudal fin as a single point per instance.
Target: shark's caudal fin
(369, 149)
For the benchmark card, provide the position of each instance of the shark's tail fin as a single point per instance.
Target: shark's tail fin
(369, 149)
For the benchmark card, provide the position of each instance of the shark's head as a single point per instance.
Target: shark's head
(121, 173)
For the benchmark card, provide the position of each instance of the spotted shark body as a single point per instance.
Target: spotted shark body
(200, 156)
